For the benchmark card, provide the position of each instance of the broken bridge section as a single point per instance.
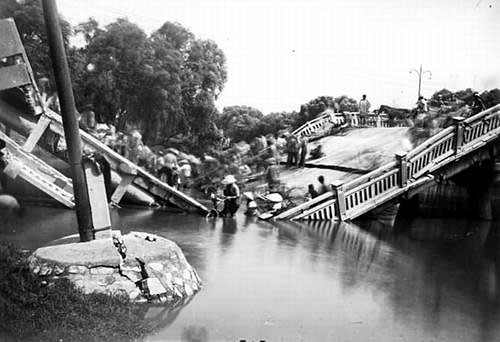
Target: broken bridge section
(442, 156)
(17, 85)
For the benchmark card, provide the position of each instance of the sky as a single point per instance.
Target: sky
(283, 53)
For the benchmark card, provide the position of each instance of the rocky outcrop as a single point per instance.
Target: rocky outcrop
(142, 266)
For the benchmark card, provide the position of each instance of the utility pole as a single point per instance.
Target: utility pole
(420, 73)
(70, 123)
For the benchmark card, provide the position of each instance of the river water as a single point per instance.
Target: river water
(420, 280)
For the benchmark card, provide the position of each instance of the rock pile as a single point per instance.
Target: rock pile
(142, 266)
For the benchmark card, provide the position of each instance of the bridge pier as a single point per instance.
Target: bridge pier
(478, 180)
(409, 208)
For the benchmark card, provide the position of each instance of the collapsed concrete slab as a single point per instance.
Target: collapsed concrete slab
(139, 265)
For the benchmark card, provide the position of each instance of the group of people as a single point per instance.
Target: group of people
(164, 163)
(296, 150)
(322, 188)
(475, 103)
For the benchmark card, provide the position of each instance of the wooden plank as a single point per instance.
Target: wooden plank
(36, 133)
(121, 189)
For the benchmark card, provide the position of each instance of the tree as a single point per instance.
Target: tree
(275, 122)
(345, 103)
(313, 108)
(204, 75)
(165, 84)
(464, 95)
(240, 122)
(120, 55)
(491, 98)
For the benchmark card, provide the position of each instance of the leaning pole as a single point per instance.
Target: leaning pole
(70, 123)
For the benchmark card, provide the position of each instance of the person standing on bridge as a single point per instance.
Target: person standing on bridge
(477, 104)
(422, 105)
(364, 107)
(292, 149)
(303, 151)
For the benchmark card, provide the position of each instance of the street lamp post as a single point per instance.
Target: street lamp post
(419, 72)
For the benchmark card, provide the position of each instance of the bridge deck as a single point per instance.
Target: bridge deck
(347, 156)
(362, 148)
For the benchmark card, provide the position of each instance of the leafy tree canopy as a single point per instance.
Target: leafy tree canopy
(240, 122)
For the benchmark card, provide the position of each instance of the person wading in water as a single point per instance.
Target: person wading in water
(231, 196)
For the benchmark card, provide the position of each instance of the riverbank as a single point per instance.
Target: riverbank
(32, 310)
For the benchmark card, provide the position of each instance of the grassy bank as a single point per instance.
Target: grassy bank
(31, 310)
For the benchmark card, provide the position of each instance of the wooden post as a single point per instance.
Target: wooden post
(458, 121)
(339, 195)
(403, 169)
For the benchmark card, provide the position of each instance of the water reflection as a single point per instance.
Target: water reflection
(416, 280)
(194, 333)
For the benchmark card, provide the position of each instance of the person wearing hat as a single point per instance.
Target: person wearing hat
(477, 103)
(273, 175)
(135, 147)
(231, 196)
(88, 121)
(421, 105)
(185, 172)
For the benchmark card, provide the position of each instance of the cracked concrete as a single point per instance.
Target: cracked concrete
(96, 266)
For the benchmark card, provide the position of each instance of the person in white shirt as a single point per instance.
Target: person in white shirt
(364, 107)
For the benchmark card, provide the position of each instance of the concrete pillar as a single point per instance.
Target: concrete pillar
(340, 209)
(403, 169)
(479, 183)
(458, 122)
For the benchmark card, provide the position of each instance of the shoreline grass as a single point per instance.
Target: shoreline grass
(32, 310)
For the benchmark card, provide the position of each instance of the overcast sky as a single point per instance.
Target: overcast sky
(281, 54)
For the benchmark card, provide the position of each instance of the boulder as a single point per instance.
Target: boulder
(97, 266)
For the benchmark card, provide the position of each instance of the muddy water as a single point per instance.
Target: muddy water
(422, 280)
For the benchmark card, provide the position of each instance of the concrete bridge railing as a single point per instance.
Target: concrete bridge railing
(351, 119)
(408, 171)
